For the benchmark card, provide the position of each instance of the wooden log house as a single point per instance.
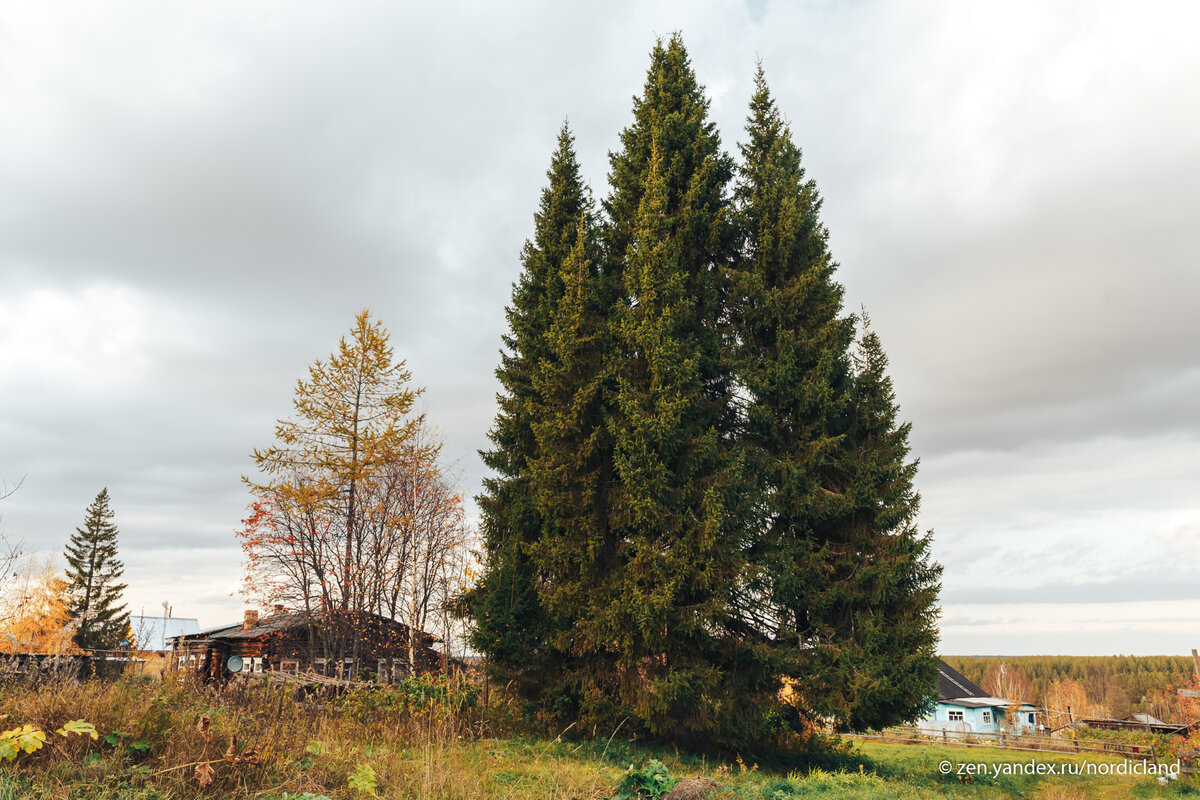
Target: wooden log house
(345, 645)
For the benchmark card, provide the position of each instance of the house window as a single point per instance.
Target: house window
(1031, 719)
(289, 665)
(955, 716)
(987, 717)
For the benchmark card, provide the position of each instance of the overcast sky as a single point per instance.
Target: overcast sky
(195, 199)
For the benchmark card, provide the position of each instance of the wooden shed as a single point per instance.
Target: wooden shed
(344, 645)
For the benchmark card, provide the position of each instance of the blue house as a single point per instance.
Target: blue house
(963, 708)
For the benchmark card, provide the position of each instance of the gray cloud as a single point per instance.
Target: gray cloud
(1131, 587)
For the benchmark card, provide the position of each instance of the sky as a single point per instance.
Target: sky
(195, 200)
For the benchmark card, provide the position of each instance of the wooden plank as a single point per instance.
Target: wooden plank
(994, 747)
(1039, 743)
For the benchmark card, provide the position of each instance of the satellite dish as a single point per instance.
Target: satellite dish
(234, 664)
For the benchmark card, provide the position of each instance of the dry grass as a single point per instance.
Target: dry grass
(423, 741)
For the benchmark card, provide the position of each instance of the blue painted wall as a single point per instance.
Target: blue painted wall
(979, 720)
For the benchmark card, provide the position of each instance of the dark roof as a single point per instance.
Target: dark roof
(275, 623)
(265, 626)
(952, 685)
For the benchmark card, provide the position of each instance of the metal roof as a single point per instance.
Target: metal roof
(152, 633)
(985, 702)
(1145, 719)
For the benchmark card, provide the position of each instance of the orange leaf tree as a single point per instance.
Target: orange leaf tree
(34, 610)
(354, 513)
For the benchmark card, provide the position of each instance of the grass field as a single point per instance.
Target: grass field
(428, 741)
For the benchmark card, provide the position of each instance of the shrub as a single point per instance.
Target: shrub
(651, 782)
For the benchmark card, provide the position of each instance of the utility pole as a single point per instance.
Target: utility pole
(1192, 693)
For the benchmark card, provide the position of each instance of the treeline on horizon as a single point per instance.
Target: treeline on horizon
(1100, 686)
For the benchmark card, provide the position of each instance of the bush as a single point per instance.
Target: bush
(649, 783)
(1163, 744)
(434, 697)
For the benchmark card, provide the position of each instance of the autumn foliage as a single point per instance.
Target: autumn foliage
(354, 512)
(34, 612)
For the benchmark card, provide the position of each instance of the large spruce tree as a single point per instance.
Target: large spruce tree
(789, 347)
(511, 623)
(93, 572)
(701, 489)
(833, 543)
(682, 668)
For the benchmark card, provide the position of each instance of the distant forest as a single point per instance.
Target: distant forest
(1100, 686)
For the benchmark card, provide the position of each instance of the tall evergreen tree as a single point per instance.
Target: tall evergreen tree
(572, 473)
(663, 609)
(699, 488)
(93, 570)
(833, 543)
(790, 354)
(511, 623)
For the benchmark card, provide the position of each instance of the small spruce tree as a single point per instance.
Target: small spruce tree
(100, 620)
(883, 606)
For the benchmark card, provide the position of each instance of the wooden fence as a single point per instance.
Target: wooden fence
(1009, 741)
(38, 667)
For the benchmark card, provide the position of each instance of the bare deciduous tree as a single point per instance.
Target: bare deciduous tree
(360, 515)
(10, 552)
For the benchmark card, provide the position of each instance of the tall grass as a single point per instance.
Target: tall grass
(258, 739)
